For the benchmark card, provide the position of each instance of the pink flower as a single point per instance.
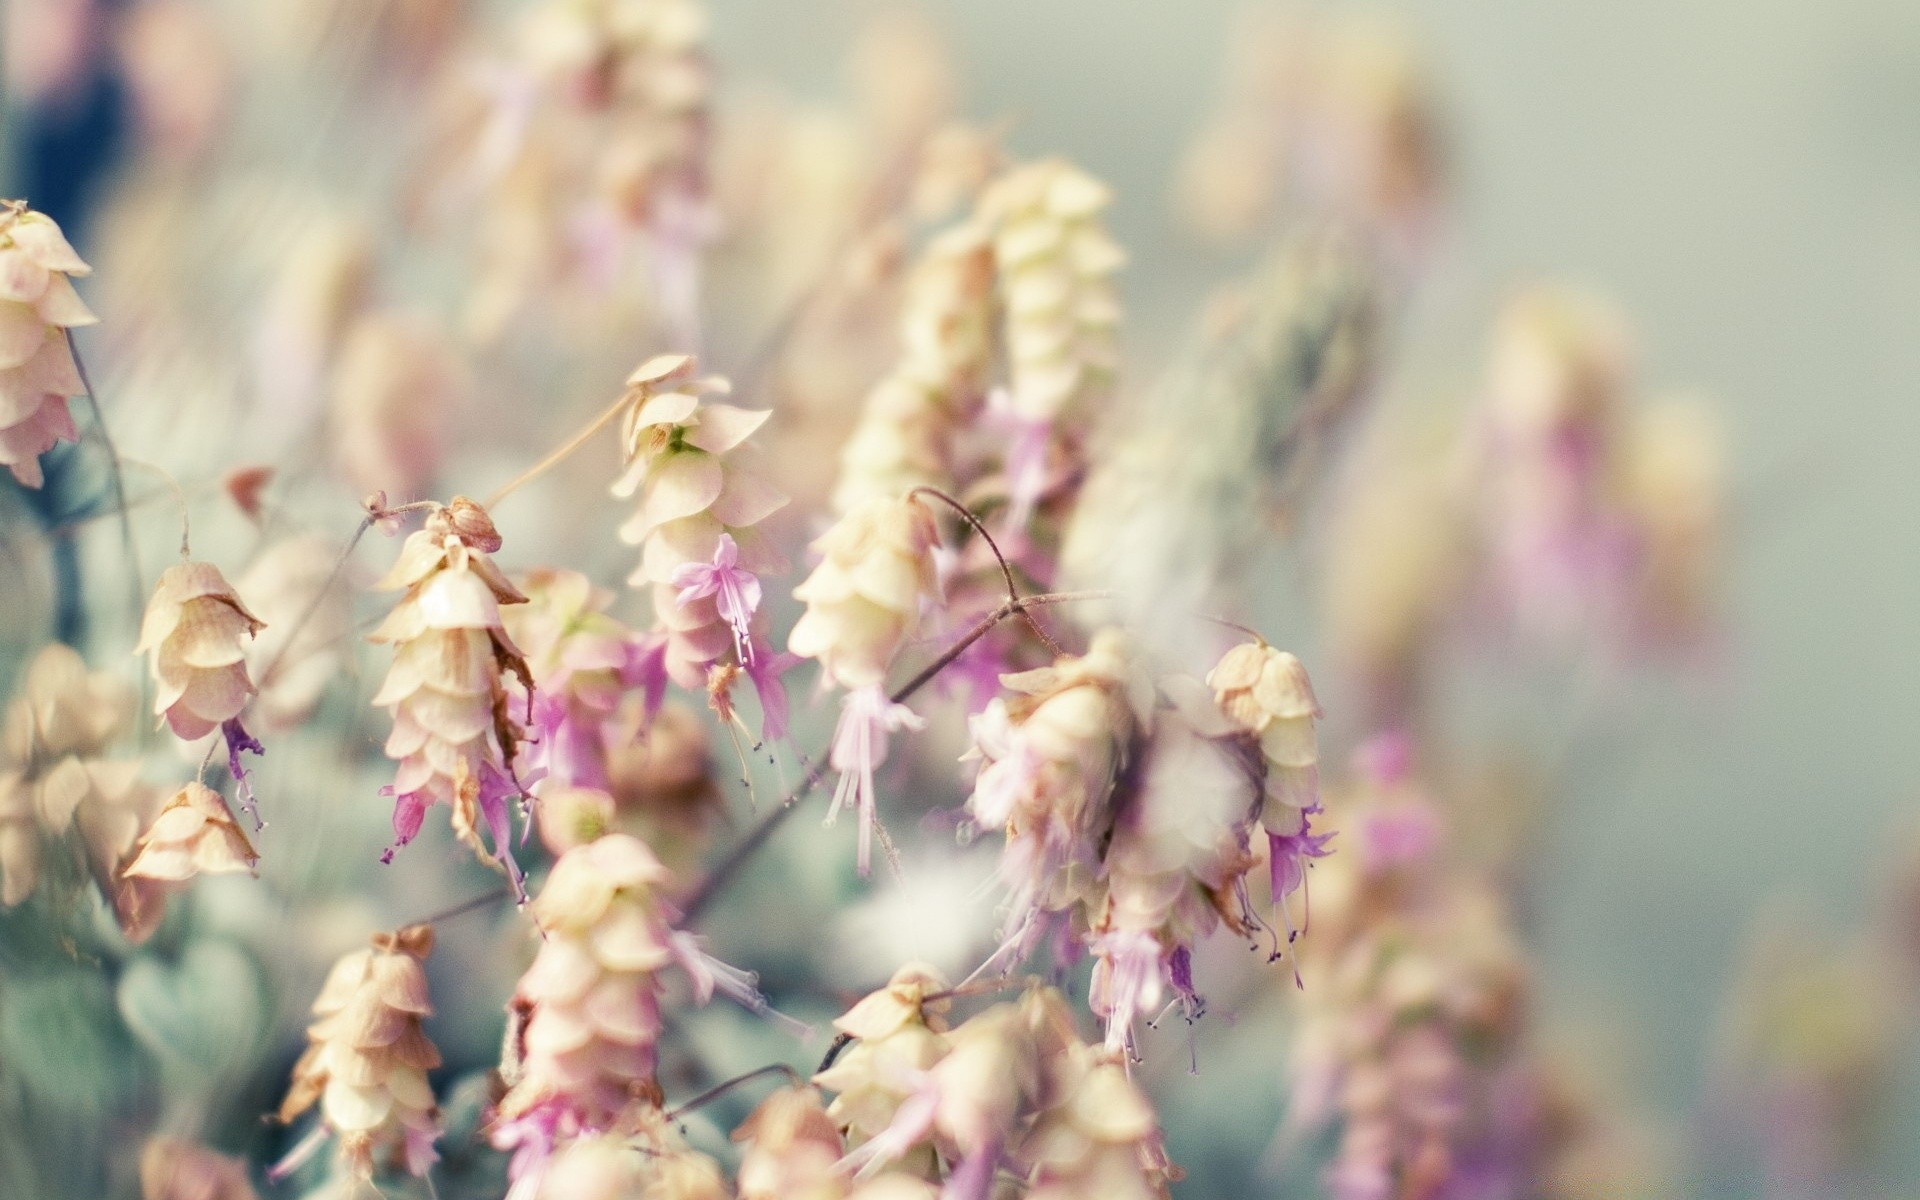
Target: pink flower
(859, 746)
(736, 590)
(765, 669)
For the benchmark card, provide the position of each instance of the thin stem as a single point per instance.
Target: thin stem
(561, 452)
(1006, 571)
(764, 829)
(319, 597)
(474, 904)
(726, 1085)
(179, 495)
(128, 546)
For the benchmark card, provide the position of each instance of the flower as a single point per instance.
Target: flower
(701, 497)
(1050, 753)
(792, 1149)
(899, 1036)
(392, 400)
(37, 368)
(587, 1012)
(736, 592)
(453, 734)
(367, 1059)
(1266, 692)
(193, 835)
(864, 601)
(908, 429)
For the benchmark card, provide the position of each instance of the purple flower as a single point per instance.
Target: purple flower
(735, 589)
(1287, 855)
(765, 670)
(239, 739)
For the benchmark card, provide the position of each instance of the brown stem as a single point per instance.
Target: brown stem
(114, 473)
(726, 1085)
(560, 452)
(472, 904)
(747, 847)
(1006, 571)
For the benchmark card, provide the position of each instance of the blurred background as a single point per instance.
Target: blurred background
(1738, 180)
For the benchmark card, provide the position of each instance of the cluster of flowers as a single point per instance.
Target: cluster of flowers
(1414, 1041)
(1009, 1097)
(1128, 810)
(1565, 508)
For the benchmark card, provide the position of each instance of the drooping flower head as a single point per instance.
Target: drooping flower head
(37, 306)
(1051, 752)
(865, 601)
(367, 1060)
(1266, 693)
(196, 633)
(454, 733)
(792, 1149)
(898, 1035)
(701, 497)
(194, 835)
(587, 1012)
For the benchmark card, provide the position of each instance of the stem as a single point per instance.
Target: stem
(561, 452)
(319, 598)
(179, 495)
(118, 479)
(745, 849)
(726, 1085)
(474, 904)
(1006, 572)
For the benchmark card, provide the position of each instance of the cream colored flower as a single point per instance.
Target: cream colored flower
(367, 1058)
(590, 1003)
(701, 497)
(1099, 1140)
(1056, 264)
(913, 418)
(793, 1149)
(195, 634)
(865, 600)
(37, 370)
(900, 1035)
(876, 578)
(194, 834)
(1267, 693)
(453, 733)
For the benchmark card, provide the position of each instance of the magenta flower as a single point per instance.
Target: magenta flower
(735, 589)
(765, 669)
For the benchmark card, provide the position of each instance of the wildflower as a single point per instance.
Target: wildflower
(453, 733)
(195, 632)
(37, 369)
(652, 1163)
(1098, 1137)
(793, 1149)
(907, 432)
(587, 1011)
(367, 1059)
(700, 499)
(1050, 754)
(176, 1169)
(193, 835)
(1266, 692)
(1546, 460)
(1056, 263)
(864, 601)
(899, 1033)
(1173, 869)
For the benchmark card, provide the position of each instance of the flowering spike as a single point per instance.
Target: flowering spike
(37, 369)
